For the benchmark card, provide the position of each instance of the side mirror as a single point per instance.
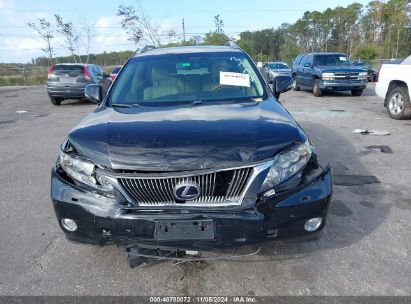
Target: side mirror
(282, 84)
(94, 93)
(307, 65)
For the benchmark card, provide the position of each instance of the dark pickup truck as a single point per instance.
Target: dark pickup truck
(328, 72)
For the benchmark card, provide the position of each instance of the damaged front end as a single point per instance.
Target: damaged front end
(153, 214)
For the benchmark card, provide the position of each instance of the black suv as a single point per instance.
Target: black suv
(328, 72)
(68, 80)
(188, 150)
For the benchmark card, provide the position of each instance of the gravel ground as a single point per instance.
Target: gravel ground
(364, 249)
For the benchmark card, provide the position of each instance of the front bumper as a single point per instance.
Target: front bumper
(104, 220)
(343, 85)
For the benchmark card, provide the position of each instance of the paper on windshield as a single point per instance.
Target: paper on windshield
(235, 79)
(343, 58)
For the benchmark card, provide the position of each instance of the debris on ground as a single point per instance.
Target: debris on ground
(354, 180)
(21, 112)
(380, 148)
(372, 132)
(337, 110)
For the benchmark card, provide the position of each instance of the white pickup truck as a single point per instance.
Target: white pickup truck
(394, 85)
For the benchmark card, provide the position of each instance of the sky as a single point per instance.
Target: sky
(20, 44)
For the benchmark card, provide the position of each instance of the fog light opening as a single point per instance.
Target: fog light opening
(69, 224)
(313, 224)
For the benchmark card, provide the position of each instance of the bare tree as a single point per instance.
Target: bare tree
(46, 33)
(88, 29)
(138, 25)
(70, 37)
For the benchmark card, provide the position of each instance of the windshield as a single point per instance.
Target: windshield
(180, 78)
(332, 60)
(278, 66)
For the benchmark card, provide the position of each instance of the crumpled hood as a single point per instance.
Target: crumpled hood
(185, 137)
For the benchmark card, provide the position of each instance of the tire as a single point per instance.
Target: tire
(398, 103)
(316, 88)
(55, 101)
(357, 92)
(296, 87)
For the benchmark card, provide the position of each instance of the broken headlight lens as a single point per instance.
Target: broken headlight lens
(83, 171)
(286, 164)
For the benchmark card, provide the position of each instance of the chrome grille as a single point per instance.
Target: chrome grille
(346, 76)
(217, 188)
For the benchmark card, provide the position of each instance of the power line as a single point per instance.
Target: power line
(103, 36)
(119, 27)
(197, 10)
(63, 48)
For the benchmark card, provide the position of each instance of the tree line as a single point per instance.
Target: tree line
(377, 30)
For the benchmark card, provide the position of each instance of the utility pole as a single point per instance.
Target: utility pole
(184, 32)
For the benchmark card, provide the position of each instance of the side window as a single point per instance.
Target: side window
(96, 70)
(101, 71)
(303, 60)
(298, 59)
(90, 70)
(309, 60)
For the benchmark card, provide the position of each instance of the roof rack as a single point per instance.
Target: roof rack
(146, 48)
(230, 43)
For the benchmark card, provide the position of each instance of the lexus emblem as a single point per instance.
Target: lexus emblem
(187, 191)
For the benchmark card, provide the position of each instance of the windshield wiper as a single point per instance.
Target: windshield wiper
(125, 105)
(121, 105)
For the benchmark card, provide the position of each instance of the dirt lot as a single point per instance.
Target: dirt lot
(365, 249)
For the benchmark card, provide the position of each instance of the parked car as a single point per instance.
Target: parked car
(271, 70)
(189, 150)
(115, 71)
(393, 86)
(328, 72)
(68, 80)
(372, 73)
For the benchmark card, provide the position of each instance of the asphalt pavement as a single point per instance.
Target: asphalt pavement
(365, 248)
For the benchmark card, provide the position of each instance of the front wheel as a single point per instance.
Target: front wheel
(398, 106)
(55, 101)
(316, 88)
(357, 92)
(296, 87)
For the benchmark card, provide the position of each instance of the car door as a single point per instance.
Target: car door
(307, 69)
(298, 69)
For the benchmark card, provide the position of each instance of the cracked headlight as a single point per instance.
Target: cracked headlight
(84, 171)
(286, 164)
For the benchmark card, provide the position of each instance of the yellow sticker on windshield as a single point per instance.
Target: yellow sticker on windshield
(235, 79)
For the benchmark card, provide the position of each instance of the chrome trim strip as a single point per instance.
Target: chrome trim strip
(143, 175)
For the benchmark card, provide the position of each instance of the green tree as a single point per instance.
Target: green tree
(365, 52)
(216, 37)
